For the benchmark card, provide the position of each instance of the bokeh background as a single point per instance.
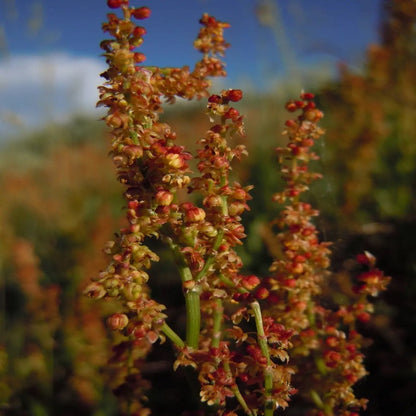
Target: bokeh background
(60, 201)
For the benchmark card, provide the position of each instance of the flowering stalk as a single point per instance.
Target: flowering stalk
(268, 377)
(297, 275)
(153, 169)
(239, 328)
(325, 343)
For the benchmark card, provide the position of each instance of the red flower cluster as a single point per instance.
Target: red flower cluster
(239, 348)
(319, 339)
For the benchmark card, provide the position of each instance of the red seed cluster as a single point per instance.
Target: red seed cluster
(241, 329)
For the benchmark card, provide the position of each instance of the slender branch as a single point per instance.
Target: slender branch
(183, 269)
(172, 335)
(262, 340)
(193, 313)
(316, 398)
(238, 394)
(192, 301)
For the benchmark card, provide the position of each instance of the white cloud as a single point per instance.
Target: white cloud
(37, 89)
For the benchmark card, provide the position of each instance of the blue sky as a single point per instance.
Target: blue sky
(63, 37)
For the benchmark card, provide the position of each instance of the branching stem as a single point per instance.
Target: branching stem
(172, 335)
(218, 319)
(238, 394)
(192, 300)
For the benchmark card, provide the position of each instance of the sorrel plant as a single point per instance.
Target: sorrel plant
(254, 342)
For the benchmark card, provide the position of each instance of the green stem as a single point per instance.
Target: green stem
(172, 335)
(192, 301)
(320, 365)
(216, 328)
(193, 322)
(268, 377)
(316, 398)
(238, 394)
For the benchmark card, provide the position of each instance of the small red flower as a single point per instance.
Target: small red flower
(141, 13)
(207, 20)
(139, 57)
(234, 95)
(300, 104)
(293, 192)
(307, 96)
(261, 293)
(363, 317)
(332, 341)
(139, 31)
(313, 115)
(291, 106)
(232, 114)
(250, 282)
(164, 198)
(290, 123)
(117, 321)
(193, 213)
(216, 99)
(115, 4)
(332, 358)
(289, 283)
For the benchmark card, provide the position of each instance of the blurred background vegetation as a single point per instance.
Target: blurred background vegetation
(60, 203)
